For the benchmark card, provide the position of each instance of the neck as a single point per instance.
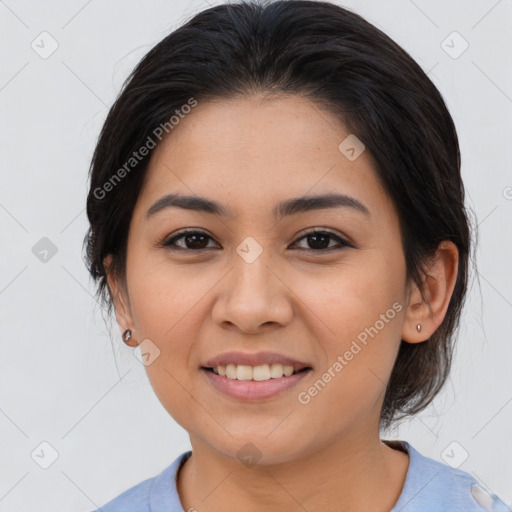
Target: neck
(353, 474)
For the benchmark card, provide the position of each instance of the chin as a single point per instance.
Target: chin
(260, 449)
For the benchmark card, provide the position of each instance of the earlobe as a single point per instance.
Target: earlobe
(122, 310)
(429, 309)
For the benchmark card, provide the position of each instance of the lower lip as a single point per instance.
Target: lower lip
(251, 390)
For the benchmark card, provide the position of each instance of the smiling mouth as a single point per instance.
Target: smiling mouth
(263, 372)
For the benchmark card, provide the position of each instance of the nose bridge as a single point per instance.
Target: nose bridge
(252, 294)
(251, 275)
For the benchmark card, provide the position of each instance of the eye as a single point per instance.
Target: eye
(192, 239)
(195, 240)
(320, 239)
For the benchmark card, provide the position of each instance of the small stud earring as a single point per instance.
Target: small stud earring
(127, 334)
(418, 327)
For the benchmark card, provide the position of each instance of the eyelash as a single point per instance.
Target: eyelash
(170, 242)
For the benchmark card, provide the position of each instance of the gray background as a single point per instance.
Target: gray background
(63, 382)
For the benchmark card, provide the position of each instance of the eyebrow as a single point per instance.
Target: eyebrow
(283, 209)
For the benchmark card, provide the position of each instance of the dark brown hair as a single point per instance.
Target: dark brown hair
(345, 65)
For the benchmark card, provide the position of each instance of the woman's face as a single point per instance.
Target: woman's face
(252, 282)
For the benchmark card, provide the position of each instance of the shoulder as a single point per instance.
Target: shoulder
(436, 487)
(154, 494)
(135, 498)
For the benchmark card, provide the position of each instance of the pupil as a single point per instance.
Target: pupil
(322, 245)
(191, 237)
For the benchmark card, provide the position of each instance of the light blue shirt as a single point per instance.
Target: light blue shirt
(430, 486)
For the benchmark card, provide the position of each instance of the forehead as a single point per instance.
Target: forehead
(253, 152)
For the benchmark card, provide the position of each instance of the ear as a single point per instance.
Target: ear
(119, 296)
(429, 310)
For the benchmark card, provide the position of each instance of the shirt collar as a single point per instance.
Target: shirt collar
(164, 491)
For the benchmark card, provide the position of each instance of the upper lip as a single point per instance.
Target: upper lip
(254, 359)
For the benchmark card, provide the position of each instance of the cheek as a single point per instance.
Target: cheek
(339, 306)
(361, 315)
(351, 298)
(168, 320)
(164, 296)
(165, 305)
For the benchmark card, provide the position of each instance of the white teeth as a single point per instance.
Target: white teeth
(243, 372)
(276, 371)
(258, 373)
(261, 372)
(231, 371)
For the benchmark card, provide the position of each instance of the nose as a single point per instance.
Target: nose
(253, 297)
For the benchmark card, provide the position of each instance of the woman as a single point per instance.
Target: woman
(277, 218)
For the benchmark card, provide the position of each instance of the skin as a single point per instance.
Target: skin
(249, 154)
